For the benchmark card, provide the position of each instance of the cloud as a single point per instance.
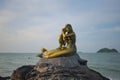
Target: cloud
(112, 29)
(5, 18)
(29, 24)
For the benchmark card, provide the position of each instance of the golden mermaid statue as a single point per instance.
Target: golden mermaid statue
(67, 40)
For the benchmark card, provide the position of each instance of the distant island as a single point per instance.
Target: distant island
(107, 50)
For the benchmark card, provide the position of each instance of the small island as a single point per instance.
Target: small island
(107, 50)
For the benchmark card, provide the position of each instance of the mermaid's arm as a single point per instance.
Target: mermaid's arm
(70, 34)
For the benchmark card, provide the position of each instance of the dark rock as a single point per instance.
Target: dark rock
(65, 73)
(19, 74)
(60, 68)
(64, 61)
(4, 78)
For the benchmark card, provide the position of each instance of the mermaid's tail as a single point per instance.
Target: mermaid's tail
(57, 52)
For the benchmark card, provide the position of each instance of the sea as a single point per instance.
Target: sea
(108, 64)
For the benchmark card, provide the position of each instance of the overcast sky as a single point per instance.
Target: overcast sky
(28, 25)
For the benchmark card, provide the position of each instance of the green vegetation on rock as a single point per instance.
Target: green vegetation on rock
(106, 50)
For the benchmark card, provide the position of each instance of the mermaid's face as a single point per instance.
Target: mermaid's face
(68, 28)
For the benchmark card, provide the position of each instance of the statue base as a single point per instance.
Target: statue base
(69, 60)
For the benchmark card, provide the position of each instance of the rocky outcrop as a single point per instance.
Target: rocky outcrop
(70, 67)
(106, 50)
(4, 78)
(21, 72)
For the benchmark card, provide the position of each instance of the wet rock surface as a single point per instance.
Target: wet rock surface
(4, 78)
